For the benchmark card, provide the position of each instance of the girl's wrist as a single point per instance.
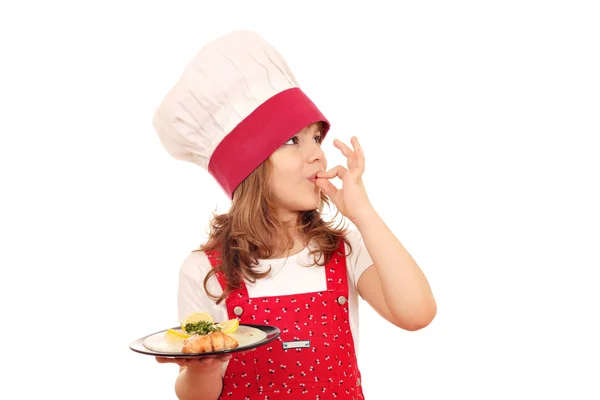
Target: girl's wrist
(365, 215)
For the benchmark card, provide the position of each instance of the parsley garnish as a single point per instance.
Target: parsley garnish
(201, 328)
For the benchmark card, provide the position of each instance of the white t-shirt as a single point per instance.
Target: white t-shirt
(288, 276)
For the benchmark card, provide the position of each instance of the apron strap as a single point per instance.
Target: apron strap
(215, 258)
(336, 270)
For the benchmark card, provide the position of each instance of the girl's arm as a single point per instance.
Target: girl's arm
(394, 286)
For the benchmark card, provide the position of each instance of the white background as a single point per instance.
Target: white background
(480, 124)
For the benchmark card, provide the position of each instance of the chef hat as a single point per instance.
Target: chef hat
(235, 103)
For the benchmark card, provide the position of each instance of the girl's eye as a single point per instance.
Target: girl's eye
(294, 140)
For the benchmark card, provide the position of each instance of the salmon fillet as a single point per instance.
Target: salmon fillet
(215, 341)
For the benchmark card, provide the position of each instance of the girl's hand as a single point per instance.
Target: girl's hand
(196, 365)
(351, 200)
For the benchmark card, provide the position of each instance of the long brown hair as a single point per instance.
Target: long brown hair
(251, 231)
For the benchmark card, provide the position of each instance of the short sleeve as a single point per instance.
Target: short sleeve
(359, 260)
(191, 296)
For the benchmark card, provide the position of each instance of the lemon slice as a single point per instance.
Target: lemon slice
(196, 317)
(229, 326)
(173, 335)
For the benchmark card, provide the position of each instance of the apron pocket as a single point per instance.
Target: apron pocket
(297, 367)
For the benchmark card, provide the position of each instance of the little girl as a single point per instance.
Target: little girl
(238, 112)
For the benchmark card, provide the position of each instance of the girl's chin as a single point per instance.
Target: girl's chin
(303, 201)
(312, 202)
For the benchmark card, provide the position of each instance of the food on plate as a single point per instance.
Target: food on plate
(207, 335)
(174, 335)
(229, 326)
(200, 334)
(197, 317)
(214, 341)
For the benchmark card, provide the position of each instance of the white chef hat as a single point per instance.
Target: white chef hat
(236, 102)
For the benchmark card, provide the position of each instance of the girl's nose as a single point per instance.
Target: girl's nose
(315, 153)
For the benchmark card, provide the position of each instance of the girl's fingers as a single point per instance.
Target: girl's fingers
(327, 187)
(338, 171)
(207, 361)
(355, 157)
(359, 155)
(167, 360)
(182, 362)
(347, 151)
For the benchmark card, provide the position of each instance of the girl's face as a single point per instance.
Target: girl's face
(294, 169)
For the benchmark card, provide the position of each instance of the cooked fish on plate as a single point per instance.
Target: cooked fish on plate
(199, 335)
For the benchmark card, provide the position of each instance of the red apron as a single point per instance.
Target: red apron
(313, 358)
